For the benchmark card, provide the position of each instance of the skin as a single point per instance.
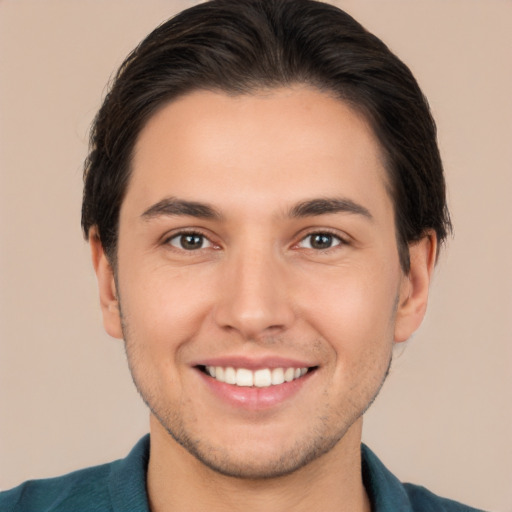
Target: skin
(256, 288)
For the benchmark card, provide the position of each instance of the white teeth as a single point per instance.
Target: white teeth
(244, 377)
(229, 375)
(260, 378)
(289, 373)
(278, 376)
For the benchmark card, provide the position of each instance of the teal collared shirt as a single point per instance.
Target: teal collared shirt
(121, 487)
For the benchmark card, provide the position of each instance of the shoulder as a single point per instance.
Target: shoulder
(118, 486)
(86, 489)
(422, 500)
(388, 494)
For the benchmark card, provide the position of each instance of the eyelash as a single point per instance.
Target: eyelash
(181, 234)
(325, 232)
(334, 237)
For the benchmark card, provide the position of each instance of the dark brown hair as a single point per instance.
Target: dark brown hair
(240, 46)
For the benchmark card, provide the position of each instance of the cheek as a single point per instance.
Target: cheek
(163, 307)
(353, 310)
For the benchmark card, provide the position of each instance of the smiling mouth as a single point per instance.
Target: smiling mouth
(262, 378)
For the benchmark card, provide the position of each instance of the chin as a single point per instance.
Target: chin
(255, 459)
(256, 466)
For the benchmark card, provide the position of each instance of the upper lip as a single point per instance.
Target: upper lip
(254, 363)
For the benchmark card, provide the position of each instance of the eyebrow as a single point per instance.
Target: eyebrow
(324, 206)
(170, 206)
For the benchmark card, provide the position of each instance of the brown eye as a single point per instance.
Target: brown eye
(320, 241)
(189, 241)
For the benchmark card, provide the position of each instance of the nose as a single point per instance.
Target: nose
(254, 297)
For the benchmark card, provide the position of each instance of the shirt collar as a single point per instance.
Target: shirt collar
(127, 482)
(385, 491)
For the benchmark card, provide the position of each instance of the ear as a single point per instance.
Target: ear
(414, 288)
(106, 285)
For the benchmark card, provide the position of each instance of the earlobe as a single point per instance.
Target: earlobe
(106, 286)
(413, 297)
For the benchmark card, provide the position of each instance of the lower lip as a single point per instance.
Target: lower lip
(254, 398)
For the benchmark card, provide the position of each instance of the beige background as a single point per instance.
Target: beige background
(444, 418)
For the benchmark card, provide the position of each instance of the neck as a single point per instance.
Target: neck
(177, 481)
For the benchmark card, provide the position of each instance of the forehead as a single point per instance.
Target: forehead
(269, 147)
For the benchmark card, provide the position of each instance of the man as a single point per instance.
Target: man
(265, 202)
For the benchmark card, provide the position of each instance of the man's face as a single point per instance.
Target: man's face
(257, 242)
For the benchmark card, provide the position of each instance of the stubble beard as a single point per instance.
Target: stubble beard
(318, 442)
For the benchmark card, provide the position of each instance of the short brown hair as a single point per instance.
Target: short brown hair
(240, 46)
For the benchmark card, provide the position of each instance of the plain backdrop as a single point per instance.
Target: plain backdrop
(66, 399)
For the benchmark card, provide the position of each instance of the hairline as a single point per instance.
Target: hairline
(254, 89)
